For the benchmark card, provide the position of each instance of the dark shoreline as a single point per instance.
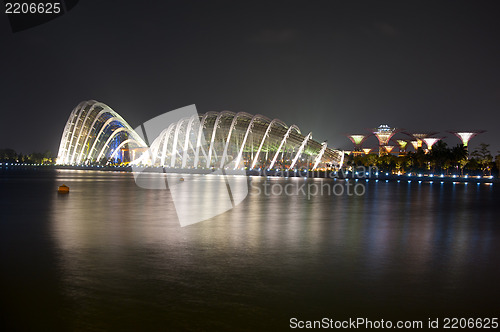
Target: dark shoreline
(4, 169)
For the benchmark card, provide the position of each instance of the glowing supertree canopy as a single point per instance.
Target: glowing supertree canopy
(367, 151)
(357, 139)
(402, 145)
(384, 133)
(430, 141)
(389, 148)
(419, 138)
(466, 136)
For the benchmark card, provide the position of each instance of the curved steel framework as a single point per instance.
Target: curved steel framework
(227, 140)
(95, 133)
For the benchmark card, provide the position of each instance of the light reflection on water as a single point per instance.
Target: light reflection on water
(401, 250)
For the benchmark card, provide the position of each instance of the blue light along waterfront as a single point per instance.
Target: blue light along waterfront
(111, 255)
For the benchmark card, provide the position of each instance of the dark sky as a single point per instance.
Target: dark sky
(330, 67)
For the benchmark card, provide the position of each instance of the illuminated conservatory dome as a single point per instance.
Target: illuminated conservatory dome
(236, 140)
(96, 133)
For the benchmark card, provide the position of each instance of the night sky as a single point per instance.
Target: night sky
(331, 67)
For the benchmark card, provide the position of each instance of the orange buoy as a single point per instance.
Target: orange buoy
(64, 189)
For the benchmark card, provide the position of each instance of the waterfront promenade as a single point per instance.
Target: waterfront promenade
(343, 174)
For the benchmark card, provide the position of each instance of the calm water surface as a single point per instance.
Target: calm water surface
(112, 256)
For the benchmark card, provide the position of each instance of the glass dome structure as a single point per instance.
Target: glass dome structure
(94, 133)
(227, 140)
